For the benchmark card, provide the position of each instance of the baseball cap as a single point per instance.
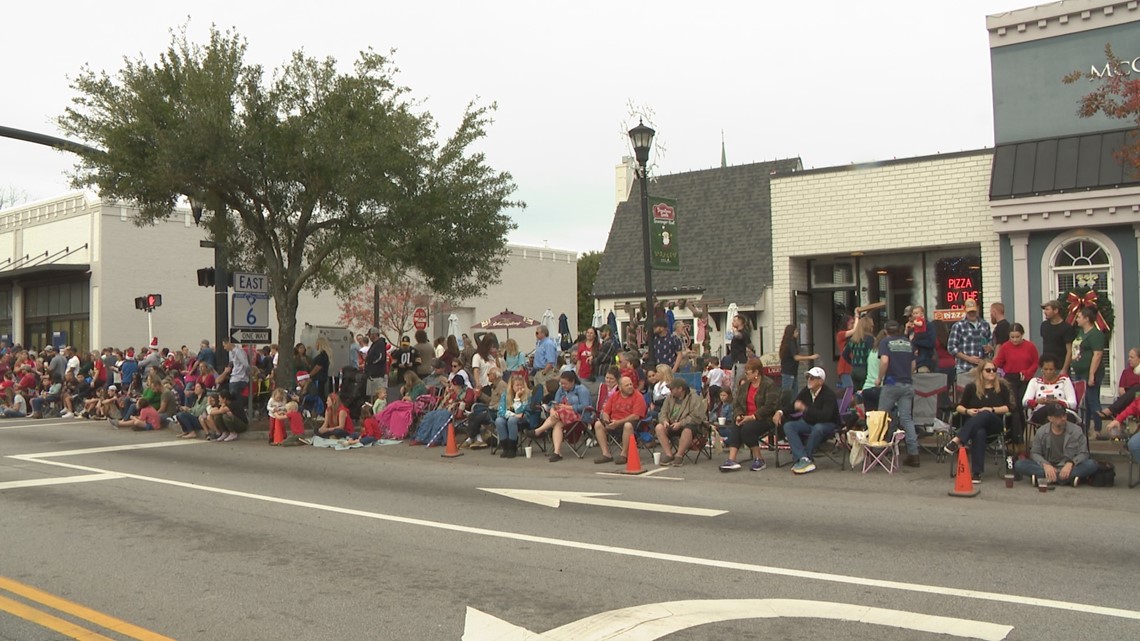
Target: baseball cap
(1055, 304)
(112, 388)
(817, 372)
(405, 341)
(971, 305)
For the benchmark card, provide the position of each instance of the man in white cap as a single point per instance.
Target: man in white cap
(817, 417)
(970, 339)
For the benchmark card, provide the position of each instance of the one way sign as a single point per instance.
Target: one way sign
(246, 336)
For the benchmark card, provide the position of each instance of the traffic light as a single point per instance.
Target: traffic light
(140, 302)
(206, 277)
(153, 300)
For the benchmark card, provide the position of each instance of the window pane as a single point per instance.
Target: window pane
(76, 293)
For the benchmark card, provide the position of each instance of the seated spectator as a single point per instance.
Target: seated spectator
(438, 377)
(984, 402)
(14, 404)
(610, 385)
(1049, 388)
(660, 377)
(1116, 426)
(487, 402)
(818, 412)
(168, 404)
(457, 369)
(512, 411)
(337, 422)
(73, 394)
(147, 419)
(53, 387)
(1059, 453)
(622, 411)
(1128, 388)
(571, 399)
(229, 420)
(413, 387)
(189, 418)
(682, 415)
(754, 406)
(722, 409)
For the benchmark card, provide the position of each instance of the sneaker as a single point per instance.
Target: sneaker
(555, 457)
(67, 415)
(977, 480)
(951, 447)
(604, 459)
(677, 461)
(1076, 481)
(478, 445)
(304, 440)
(666, 461)
(232, 436)
(221, 437)
(729, 466)
(758, 464)
(620, 460)
(803, 466)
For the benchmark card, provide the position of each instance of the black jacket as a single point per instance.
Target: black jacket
(824, 409)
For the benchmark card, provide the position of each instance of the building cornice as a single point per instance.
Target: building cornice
(1058, 18)
(1061, 211)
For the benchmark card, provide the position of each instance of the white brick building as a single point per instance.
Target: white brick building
(909, 231)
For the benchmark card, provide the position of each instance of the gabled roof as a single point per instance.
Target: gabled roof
(724, 219)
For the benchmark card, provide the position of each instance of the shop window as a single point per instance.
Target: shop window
(836, 274)
(1082, 263)
(958, 279)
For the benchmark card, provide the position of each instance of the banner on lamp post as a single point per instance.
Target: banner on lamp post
(663, 237)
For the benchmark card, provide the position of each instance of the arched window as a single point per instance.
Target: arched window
(1082, 262)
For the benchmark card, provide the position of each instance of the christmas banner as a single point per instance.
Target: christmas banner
(663, 237)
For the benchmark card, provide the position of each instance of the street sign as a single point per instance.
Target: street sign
(249, 310)
(244, 336)
(251, 283)
(420, 318)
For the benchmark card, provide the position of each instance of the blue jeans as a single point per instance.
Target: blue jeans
(1092, 404)
(845, 381)
(188, 421)
(507, 428)
(1134, 446)
(901, 396)
(788, 382)
(1028, 466)
(816, 434)
(975, 430)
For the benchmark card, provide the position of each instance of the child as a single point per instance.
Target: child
(380, 402)
(275, 407)
(147, 420)
(628, 364)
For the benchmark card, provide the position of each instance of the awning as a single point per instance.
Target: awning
(1054, 165)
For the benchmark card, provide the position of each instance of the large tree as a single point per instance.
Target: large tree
(321, 178)
(1116, 94)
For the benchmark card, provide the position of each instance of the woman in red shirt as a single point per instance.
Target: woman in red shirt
(586, 350)
(1017, 357)
(1129, 386)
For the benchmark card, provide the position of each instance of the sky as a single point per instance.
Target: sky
(832, 82)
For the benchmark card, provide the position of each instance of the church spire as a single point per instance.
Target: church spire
(723, 157)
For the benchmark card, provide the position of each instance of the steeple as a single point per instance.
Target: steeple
(723, 157)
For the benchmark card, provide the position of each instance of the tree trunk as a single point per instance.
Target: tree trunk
(285, 375)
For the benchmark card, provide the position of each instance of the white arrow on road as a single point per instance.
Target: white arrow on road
(657, 620)
(554, 498)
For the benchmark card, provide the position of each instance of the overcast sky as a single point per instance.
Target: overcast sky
(832, 82)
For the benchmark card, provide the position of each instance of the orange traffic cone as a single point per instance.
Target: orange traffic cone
(633, 459)
(277, 430)
(452, 450)
(963, 478)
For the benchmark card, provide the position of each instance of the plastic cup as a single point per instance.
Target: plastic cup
(657, 458)
(720, 421)
(1043, 486)
(1009, 480)
(528, 450)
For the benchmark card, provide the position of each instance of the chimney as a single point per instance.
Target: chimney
(625, 173)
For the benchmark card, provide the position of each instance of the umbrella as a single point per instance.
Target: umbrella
(549, 323)
(597, 320)
(564, 331)
(453, 326)
(732, 311)
(611, 320)
(507, 320)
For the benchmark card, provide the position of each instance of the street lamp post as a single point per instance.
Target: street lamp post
(642, 139)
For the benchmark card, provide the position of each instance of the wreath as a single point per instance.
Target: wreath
(1083, 296)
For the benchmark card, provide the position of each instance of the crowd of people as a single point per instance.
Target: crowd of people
(665, 394)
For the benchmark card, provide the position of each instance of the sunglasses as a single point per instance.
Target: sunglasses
(989, 370)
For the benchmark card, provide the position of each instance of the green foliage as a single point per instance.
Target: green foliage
(321, 178)
(588, 264)
(1116, 94)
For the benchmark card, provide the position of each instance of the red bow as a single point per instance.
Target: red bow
(1089, 300)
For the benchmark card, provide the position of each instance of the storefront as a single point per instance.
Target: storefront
(903, 232)
(1066, 210)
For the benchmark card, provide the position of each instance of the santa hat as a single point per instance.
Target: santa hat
(154, 343)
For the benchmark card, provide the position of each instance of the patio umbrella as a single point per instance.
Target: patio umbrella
(596, 322)
(732, 311)
(507, 320)
(453, 326)
(549, 323)
(564, 331)
(611, 320)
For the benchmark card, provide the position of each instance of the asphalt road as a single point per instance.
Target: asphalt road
(244, 541)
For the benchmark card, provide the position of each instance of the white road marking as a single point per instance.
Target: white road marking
(516, 537)
(647, 475)
(102, 450)
(551, 498)
(59, 480)
(40, 423)
(655, 620)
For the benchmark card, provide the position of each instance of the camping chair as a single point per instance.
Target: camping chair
(995, 443)
(840, 446)
(881, 448)
(928, 387)
(774, 443)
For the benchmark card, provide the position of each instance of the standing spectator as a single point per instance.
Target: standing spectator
(1088, 363)
(1057, 335)
(376, 361)
(970, 339)
(843, 367)
(57, 365)
(425, 353)
(483, 361)
(405, 359)
(607, 351)
(1018, 359)
(1001, 325)
(790, 358)
(514, 361)
(206, 354)
(665, 348)
(319, 374)
(72, 361)
(236, 373)
(859, 348)
(739, 341)
(896, 368)
(586, 350)
(545, 352)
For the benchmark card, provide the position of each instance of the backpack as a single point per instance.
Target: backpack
(1104, 476)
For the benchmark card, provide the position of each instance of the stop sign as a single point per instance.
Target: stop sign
(420, 318)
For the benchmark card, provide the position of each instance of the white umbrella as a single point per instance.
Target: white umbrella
(550, 322)
(732, 311)
(453, 326)
(597, 321)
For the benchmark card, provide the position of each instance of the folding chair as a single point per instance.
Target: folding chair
(880, 449)
(995, 443)
(577, 434)
(928, 388)
(774, 443)
(840, 446)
